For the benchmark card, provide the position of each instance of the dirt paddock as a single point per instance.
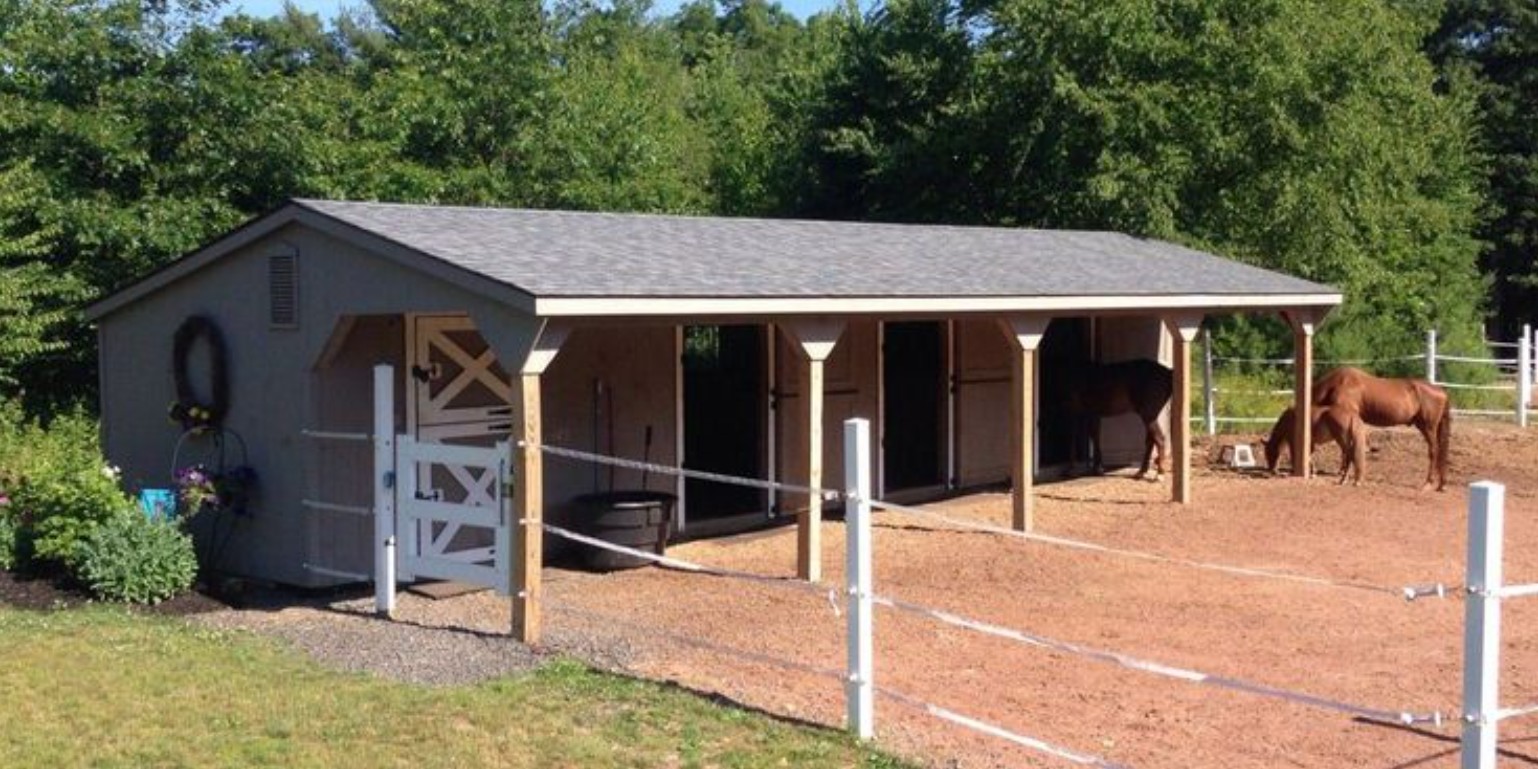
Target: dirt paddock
(1356, 646)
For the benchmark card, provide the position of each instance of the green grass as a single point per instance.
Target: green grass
(100, 687)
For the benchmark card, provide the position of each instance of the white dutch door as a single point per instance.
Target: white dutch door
(460, 398)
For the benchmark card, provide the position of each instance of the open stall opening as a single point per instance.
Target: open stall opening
(1062, 436)
(724, 416)
(913, 369)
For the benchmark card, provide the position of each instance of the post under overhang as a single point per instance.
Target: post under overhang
(1024, 333)
(1183, 328)
(1303, 322)
(528, 494)
(815, 339)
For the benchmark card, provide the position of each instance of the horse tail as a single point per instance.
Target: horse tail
(1444, 440)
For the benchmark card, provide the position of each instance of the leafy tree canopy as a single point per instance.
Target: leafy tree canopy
(1315, 138)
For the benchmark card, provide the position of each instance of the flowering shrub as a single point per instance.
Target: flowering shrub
(60, 489)
(136, 560)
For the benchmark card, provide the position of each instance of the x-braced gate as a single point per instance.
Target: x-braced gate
(441, 511)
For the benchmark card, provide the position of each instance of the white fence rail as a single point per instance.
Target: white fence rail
(1522, 367)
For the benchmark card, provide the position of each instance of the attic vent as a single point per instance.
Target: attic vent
(283, 290)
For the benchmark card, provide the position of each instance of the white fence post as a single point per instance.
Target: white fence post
(1524, 378)
(1210, 409)
(860, 688)
(1532, 354)
(384, 489)
(1482, 624)
(1431, 356)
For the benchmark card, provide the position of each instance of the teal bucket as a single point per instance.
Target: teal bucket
(158, 504)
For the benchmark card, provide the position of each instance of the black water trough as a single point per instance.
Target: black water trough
(636, 519)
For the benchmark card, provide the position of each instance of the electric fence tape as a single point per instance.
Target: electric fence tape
(634, 464)
(1408, 592)
(1155, 668)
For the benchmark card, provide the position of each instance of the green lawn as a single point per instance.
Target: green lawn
(100, 687)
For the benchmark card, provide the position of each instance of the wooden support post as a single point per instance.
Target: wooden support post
(809, 525)
(1024, 333)
(529, 486)
(1303, 323)
(528, 509)
(815, 338)
(1183, 328)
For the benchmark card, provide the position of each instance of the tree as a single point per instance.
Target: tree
(1495, 43)
(36, 300)
(1302, 137)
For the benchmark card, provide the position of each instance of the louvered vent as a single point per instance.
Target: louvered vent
(283, 290)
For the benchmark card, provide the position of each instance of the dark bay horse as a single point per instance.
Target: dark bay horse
(1351, 399)
(1138, 386)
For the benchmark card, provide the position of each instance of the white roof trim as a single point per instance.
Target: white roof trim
(673, 306)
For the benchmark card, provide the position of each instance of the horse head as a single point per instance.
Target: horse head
(1281, 436)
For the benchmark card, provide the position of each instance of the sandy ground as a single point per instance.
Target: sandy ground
(1355, 646)
(777, 647)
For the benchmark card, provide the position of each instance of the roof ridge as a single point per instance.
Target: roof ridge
(319, 203)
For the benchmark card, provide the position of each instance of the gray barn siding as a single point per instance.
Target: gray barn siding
(638, 367)
(270, 399)
(982, 402)
(341, 472)
(849, 390)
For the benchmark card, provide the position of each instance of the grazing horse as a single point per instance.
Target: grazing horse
(1137, 386)
(1353, 399)
(1346, 431)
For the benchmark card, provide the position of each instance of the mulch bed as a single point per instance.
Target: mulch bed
(53, 590)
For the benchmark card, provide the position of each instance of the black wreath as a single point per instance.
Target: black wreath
(191, 413)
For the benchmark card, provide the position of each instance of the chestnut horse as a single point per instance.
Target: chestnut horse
(1350, 399)
(1136, 386)
(1348, 433)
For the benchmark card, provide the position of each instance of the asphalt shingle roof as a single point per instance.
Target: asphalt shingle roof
(568, 254)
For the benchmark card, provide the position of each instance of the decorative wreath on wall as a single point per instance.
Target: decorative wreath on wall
(188, 410)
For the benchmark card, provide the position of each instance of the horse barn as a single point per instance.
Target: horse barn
(733, 346)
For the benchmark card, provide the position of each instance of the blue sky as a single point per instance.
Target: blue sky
(328, 8)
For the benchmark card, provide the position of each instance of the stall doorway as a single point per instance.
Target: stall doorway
(1061, 437)
(724, 401)
(913, 369)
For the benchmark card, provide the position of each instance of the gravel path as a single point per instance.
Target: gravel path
(460, 640)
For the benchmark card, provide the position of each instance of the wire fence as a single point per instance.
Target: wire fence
(856, 602)
(859, 597)
(1406, 592)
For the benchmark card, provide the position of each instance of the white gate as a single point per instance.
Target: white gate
(452, 512)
